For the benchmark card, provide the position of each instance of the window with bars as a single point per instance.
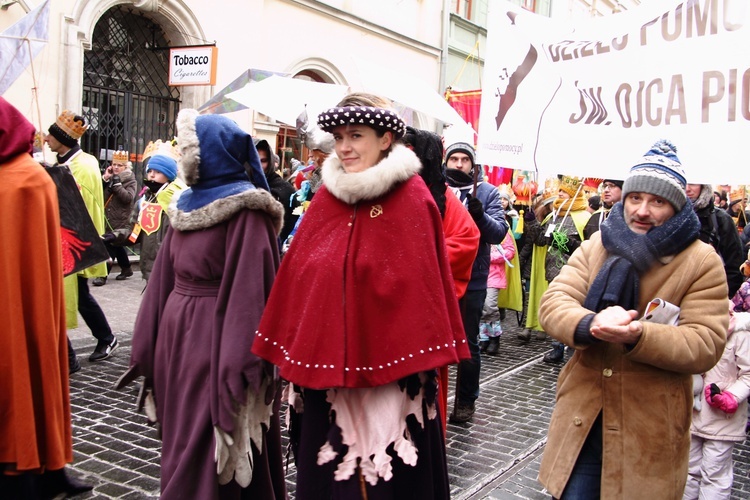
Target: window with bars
(127, 98)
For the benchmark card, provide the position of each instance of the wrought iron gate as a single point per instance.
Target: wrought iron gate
(127, 99)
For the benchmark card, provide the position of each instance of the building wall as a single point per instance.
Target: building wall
(278, 35)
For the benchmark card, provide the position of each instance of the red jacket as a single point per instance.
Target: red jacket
(365, 295)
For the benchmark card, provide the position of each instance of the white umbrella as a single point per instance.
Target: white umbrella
(409, 91)
(283, 98)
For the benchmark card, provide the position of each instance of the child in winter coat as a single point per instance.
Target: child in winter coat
(741, 299)
(490, 328)
(720, 415)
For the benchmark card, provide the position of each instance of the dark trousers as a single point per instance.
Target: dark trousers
(92, 314)
(585, 481)
(120, 254)
(468, 370)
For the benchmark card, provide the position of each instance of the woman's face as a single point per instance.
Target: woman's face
(359, 147)
(504, 203)
(563, 195)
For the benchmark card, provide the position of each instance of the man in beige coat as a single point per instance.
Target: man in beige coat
(621, 423)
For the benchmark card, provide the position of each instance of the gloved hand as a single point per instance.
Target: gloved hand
(724, 401)
(528, 215)
(109, 237)
(116, 180)
(476, 209)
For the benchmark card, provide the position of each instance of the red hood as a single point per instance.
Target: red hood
(16, 132)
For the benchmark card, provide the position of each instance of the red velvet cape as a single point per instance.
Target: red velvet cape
(365, 294)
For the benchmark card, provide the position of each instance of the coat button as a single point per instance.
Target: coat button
(577, 422)
(607, 372)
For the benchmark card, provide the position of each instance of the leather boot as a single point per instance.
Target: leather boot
(556, 354)
(494, 346)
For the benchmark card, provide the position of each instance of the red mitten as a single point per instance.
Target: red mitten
(724, 401)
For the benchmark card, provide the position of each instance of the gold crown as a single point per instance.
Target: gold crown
(551, 185)
(737, 194)
(73, 125)
(151, 148)
(120, 156)
(168, 148)
(506, 189)
(570, 184)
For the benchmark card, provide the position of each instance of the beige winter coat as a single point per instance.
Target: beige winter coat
(645, 394)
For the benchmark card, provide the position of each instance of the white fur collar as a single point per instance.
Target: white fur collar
(223, 209)
(400, 164)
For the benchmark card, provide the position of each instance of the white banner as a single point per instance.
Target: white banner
(591, 101)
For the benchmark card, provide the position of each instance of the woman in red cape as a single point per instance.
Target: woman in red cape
(361, 314)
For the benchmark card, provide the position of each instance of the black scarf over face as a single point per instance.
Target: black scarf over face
(631, 254)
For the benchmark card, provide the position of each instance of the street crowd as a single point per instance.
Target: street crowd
(346, 288)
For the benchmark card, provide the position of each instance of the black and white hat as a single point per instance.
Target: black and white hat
(377, 118)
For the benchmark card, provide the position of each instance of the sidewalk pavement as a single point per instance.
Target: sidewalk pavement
(495, 456)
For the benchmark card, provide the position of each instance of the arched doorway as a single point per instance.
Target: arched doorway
(126, 96)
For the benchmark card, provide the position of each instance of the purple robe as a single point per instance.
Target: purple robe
(192, 342)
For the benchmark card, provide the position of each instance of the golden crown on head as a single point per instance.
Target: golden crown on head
(551, 185)
(170, 149)
(570, 184)
(737, 194)
(68, 124)
(151, 148)
(120, 156)
(506, 189)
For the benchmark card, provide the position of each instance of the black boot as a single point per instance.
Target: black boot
(73, 364)
(483, 345)
(494, 346)
(556, 354)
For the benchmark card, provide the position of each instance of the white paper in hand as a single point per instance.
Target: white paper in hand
(661, 311)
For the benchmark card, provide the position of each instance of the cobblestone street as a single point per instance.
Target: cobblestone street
(496, 456)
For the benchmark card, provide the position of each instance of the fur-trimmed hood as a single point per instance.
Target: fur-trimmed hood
(400, 164)
(223, 209)
(705, 197)
(218, 159)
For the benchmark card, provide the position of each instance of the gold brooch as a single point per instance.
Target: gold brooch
(376, 211)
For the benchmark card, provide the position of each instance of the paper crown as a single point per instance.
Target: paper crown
(591, 183)
(68, 123)
(737, 194)
(570, 185)
(551, 185)
(151, 148)
(525, 188)
(505, 190)
(120, 156)
(168, 148)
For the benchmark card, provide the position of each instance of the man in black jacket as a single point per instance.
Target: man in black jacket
(718, 230)
(482, 200)
(282, 190)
